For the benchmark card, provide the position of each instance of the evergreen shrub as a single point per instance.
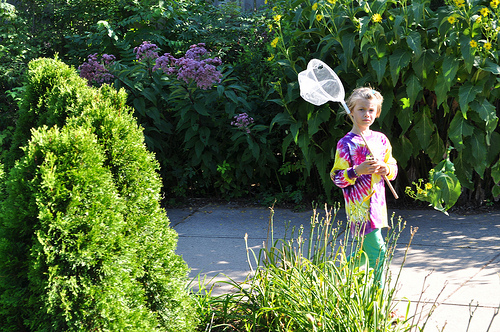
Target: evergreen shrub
(84, 243)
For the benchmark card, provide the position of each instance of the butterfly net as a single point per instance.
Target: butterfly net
(319, 84)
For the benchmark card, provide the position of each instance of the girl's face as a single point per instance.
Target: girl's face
(364, 113)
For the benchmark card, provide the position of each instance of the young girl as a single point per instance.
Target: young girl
(360, 174)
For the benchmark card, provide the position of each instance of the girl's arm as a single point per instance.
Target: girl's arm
(343, 173)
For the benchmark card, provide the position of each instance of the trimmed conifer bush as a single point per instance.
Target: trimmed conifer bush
(84, 243)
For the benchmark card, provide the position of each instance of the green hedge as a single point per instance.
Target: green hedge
(84, 243)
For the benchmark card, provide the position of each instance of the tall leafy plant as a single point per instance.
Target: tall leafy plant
(437, 72)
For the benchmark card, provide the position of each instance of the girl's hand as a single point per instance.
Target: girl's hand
(367, 167)
(372, 167)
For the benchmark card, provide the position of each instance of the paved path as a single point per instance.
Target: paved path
(456, 259)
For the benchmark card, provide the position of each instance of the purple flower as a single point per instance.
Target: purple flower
(242, 121)
(146, 51)
(192, 67)
(96, 72)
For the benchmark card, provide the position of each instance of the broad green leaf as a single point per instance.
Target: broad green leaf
(424, 65)
(463, 169)
(491, 67)
(398, 60)
(201, 108)
(424, 128)
(379, 66)
(413, 88)
(418, 11)
(436, 149)
(477, 152)
(316, 119)
(405, 118)
(348, 44)
(198, 148)
(493, 148)
(459, 128)
(295, 128)
(449, 187)
(496, 191)
(466, 50)
(485, 109)
(402, 150)
(466, 94)
(282, 119)
(415, 43)
(204, 135)
(495, 172)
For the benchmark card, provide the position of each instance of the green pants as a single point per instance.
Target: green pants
(374, 248)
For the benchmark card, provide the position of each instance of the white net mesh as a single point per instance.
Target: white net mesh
(319, 84)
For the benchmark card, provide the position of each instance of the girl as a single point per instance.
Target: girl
(360, 174)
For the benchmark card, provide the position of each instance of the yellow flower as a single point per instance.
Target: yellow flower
(377, 18)
(452, 19)
(494, 4)
(473, 43)
(277, 18)
(332, 1)
(478, 19)
(265, 2)
(270, 27)
(484, 11)
(459, 3)
(428, 186)
(270, 58)
(487, 45)
(274, 8)
(315, 6)
(319, 17)
(275, 42)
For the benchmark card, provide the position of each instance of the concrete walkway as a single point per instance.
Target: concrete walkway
(455, 259)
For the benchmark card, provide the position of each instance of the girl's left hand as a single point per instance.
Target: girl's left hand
(382, 169)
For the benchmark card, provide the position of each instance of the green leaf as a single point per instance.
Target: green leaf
(436, 149)
(463, 169)
(485, 109)
(466, 50)
(348, 44)
(459, 128)
(379, 66)
(477, 151)
(424, 128)
(495, 172)
(405, 118)
(491, 67)
(466, 94)
(398, 60)
(413, 88)
(201, 108)
(204, 135)
(402, 150)
(415, 43)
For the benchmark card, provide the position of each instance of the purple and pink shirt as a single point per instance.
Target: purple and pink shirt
(364, 195)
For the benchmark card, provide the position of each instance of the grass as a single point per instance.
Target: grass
(303, 282)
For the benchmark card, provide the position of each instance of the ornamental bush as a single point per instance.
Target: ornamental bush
(84, 243)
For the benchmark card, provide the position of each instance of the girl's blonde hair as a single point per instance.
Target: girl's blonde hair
(365, 93)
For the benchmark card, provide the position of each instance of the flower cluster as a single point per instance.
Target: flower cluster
(242, 121)
(192, 67)
(146, 51)
(95, 72)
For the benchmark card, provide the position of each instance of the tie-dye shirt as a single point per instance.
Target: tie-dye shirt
(364, 195)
